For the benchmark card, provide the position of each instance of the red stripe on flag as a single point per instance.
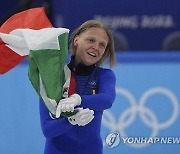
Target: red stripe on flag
(33, 19)
(8, 58)
(72, 86)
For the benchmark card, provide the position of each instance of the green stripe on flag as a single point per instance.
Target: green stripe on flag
(50, 65)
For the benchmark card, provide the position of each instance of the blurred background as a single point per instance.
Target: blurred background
(147, 43)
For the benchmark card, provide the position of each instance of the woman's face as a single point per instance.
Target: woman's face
(90, 46)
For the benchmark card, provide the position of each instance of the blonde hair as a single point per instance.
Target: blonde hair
(109, 51)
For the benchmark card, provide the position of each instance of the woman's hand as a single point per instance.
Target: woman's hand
(82, 118)
(68, 104)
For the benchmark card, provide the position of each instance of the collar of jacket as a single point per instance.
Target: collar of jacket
(80, 69)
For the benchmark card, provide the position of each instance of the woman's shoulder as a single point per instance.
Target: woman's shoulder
(105, 71)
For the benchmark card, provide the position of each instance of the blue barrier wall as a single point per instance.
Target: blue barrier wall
(20, 130)
(147, 104)
(137, 24)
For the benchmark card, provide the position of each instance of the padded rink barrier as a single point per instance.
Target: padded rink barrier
(145, 114)
(146, 106)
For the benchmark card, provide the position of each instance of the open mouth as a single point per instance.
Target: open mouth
(92, 54)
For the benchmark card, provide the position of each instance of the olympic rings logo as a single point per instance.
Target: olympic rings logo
(148, 117)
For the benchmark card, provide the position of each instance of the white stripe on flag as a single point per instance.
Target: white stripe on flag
(22, 41)
(66, 86)
(50, 103)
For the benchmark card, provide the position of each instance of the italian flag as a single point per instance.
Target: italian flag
(46, 48)
(26, 19)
